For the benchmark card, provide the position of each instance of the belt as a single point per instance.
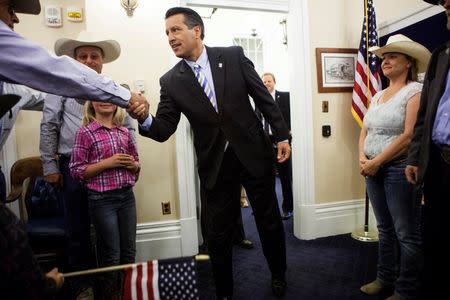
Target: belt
(445, 153)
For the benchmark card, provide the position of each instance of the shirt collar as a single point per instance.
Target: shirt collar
(273, 94)
(202, 61)
(95, 125)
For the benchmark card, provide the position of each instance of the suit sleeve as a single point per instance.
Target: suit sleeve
(24, 62)
(414, 147)
(167, 116)
(263, 100)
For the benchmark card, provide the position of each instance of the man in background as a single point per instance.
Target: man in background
(429, 164)
(284, 169)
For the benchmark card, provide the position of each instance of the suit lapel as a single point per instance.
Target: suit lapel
(218, 73)
(187, 77)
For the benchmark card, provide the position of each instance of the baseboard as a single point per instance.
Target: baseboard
(341, 217)
(159, 240)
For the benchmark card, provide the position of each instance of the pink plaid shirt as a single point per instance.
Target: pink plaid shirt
(93, 143)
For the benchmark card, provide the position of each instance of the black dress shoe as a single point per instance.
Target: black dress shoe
(246, 244)
(286, 215)
(278, 286)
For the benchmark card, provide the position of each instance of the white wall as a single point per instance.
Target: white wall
(223, 26)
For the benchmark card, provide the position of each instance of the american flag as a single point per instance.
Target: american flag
(360, 99)
(169, 279)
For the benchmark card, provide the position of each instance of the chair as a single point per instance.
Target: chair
(41, 209)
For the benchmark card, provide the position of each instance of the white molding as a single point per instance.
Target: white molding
(260, 5)
(187, 193)
(419, 13)
(302, 125)
(337, 218)
(158, 240)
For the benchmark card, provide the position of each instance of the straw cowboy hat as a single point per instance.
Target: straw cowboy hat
(110, 48)
(401, 44)
(32, 7)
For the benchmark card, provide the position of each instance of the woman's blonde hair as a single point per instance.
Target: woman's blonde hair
(89, 114)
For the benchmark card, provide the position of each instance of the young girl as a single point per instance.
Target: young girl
(105, 159)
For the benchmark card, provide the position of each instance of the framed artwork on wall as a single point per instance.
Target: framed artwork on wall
(336, 69)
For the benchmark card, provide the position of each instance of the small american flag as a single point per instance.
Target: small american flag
(369, 38)
(169, 279)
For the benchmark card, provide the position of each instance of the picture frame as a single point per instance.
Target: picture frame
(336, 69)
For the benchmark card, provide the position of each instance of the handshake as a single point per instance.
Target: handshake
(138, 107)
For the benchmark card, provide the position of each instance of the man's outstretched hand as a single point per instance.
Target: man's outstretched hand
(138, 107)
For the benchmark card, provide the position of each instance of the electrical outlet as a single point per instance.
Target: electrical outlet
(166, 208)
(324, 106)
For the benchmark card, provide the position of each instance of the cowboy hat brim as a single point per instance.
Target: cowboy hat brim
(110, 48)
(434, 2)
(421, 54)
(32, 7)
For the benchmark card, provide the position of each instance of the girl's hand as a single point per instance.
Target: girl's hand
(119, 160)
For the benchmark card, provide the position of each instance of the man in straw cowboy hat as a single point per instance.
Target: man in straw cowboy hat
(429, 164)
(61, 119)
(384, 140)
(53, 75)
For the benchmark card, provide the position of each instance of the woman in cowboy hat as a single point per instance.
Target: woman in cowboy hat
(387, 130)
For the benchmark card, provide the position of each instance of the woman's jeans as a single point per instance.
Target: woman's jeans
(397, 205)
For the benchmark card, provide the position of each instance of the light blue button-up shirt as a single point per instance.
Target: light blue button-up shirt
(441, 129)
(24, 62)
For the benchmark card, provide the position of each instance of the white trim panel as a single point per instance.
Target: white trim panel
(262, 5)
(337, 218)
(158, 240)
(419, 13)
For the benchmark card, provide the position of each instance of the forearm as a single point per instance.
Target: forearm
(362, 137)
(394, 149)
(56, 75)
(94, 169)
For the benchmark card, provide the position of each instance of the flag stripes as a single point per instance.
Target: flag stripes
(366, 63)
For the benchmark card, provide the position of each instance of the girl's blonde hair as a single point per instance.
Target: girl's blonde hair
(89, 114)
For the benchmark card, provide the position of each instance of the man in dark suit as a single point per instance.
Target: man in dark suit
(284, 169)
(429, 164)
(211, 87)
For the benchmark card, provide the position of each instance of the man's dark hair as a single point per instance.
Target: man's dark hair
(191, 18)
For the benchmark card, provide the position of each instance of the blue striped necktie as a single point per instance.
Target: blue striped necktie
(205, 85)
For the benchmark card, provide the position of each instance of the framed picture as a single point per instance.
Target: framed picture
(336, 69)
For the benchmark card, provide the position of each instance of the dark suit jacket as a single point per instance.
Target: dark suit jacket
(434, 85)
(282, 100)
(234, 80)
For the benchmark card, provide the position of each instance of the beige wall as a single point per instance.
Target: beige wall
(145, 56)
(336, 163)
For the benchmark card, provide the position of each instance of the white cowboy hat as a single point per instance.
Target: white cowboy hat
(401, 44)
(32, 7)
(110, 48)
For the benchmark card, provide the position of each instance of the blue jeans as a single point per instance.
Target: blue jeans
(397, 205)
(113, 214)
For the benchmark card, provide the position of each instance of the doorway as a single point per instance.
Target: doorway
(299, 84)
